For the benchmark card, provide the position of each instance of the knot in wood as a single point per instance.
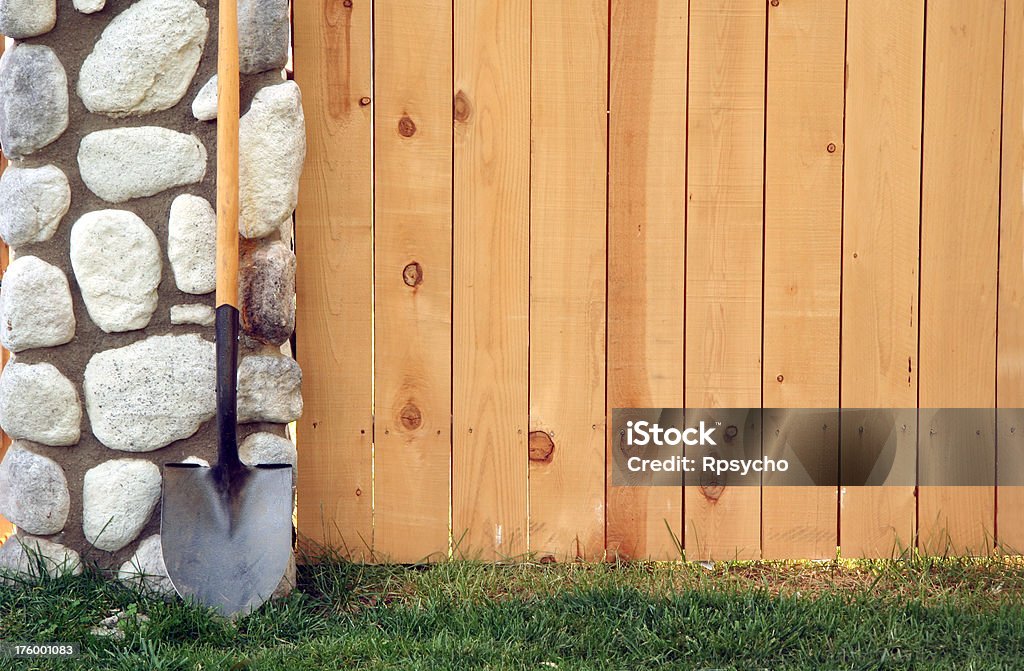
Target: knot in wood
(412, 274)
(542, 447)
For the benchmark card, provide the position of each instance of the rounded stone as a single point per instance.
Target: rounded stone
(267, 448)
(22, 556)
(35, 306)
(263, 27)
(33, 99)
(204, 107)
(272, 148)
(151, 393)
(27, 18)
(266, 290)
(146, 570)
(193, 313)
(269, 389)
(38, 403)
(116, 259)
(32, 203)
(89, 6)
(33, 491)
(145, 59)
(118, 497)
(192, 244)
(119, 164)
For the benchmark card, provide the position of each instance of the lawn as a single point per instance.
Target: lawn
(918, 613)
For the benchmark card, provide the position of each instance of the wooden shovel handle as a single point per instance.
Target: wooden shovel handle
(227, 155)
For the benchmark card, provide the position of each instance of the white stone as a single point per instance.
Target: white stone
(146, 569)
(22, 555)
(266, 448)
(204, 107)
(27, 18)
(116, 259)
(118, 496)
(151, 393)
(89, 6)
(33, 491)
(269, 389)
(33, 99)
(145, 59)
(192, 244)
(35, 306)
(38, 403)
(193, 313)
(193, 459)
(119, 164)
(272, 148)
(32, 203)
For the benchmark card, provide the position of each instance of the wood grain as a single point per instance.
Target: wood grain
(412, 266)
(646, 251)
(334, 242)
(723, 251)
(491, 278)
(567, 278)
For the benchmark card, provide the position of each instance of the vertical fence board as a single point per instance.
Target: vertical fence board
(491, 277)
(802, 258)
(885, 52)
(1010, 380)
(334, 242)
(723, 251)
(567, 278)
(646, 234)
(412, 267)
(959, 227)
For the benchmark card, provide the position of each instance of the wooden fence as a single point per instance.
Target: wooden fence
(517, 216)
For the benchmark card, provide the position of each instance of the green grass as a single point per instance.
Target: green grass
(914, 614)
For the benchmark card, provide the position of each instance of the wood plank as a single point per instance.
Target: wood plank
(491, 278)
(412, 266)
(1010, 380)
(646, 251)
(567, 286)
(334, 240)
(723, 252)
(959, 240)
(881, 219)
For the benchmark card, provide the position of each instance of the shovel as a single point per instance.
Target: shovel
(226, 531)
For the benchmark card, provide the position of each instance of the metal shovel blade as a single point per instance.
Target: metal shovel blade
(227, 540)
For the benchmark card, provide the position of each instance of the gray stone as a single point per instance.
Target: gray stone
(145, 59)
(266, 284)
(89, 6)
(192, 244)
(33, 491)
(151, 393)
(38, 403)
(204, 107)
(269, 389)
(193, 313)
(118, 496)
(288, 581)
(22, 557)
(146, 570)
(267, 448)
(272, 148)
(33, 99)
(35, 306)
(32, 203)
(262, 35)
(116, 260)
(27, 18)
(119, 164)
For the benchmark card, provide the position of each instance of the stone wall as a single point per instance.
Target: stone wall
(108, 117)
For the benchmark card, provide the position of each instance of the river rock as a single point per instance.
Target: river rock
(266, 284)
(151, 393)
(145, 59)
(27, 18)
(35, 306)
(33, 491)
(32, 203)
(193, 313)
(192, 244)
(272, 148)
(269, 389)
(263, 27)
(204, 107)
(22, 556)
(118, 496)
(89, 6)
(116, 260)
(146, 569)
(267, 448)
(119, 164)
(33, 99)
(38, 403)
